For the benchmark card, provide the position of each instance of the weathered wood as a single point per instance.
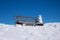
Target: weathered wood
(39, 24)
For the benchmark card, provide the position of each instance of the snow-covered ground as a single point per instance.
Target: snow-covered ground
(50, 31)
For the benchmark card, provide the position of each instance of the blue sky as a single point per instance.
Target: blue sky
(49, 9)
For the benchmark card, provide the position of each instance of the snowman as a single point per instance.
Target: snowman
(40, 19)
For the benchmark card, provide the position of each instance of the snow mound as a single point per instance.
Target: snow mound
(50, 31)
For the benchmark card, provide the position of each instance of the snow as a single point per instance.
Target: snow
(50, 31)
